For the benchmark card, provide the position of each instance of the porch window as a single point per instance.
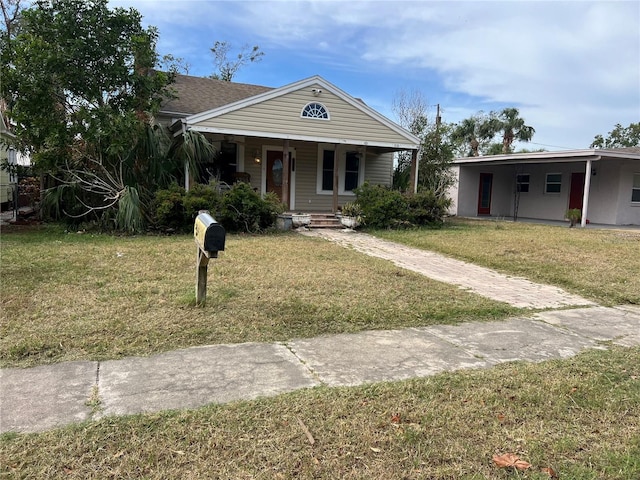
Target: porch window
(635, 189)
(553, 183)
(315, 110)
(522, 182)
(351, 171)
(327, 170)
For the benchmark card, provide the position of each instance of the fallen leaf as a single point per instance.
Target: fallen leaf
(510, 460)
(549, 471)
(395, 418)
(501, 417)
(574, 390)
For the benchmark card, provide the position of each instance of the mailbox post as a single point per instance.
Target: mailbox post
(210, 237)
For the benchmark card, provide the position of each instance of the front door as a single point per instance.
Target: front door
(576, 193)
(275, 172)
(484, 194)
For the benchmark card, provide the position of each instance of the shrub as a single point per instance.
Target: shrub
(244, 210)
(201, 197)
(168, 210)
(427, 209)
(386, 208)
(382, 207)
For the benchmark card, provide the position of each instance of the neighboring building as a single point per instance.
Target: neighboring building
(544, 185)
(8, 182)
(309, 142)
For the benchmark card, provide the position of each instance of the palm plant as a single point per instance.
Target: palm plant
(512, 126)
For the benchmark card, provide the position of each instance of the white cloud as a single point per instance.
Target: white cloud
(573, 68)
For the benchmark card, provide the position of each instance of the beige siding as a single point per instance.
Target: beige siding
(281, 116)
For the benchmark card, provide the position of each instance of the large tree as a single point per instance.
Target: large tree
(436, 145)
(511, 126)
(619, 137)
(480, 130)
(228, 64)
(81, 89)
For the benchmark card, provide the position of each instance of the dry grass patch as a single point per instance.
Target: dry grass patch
(579, 417)
(71, 296)
(602, 265)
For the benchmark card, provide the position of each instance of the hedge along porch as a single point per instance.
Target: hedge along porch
(603, 184)
(309, 142)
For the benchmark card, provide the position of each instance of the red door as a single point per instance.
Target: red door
(484, 194)
(274, 172)
(576, 193)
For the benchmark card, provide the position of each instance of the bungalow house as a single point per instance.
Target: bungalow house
(603, 184)
(309, 142)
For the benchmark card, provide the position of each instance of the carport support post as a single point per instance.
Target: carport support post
(413, 173)
(585, 195)
(202, 262)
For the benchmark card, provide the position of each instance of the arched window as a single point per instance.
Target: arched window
(315, 110)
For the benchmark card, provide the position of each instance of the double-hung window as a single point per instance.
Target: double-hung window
(350, 170)
(635, 189)
(553, 183)
(522, 182)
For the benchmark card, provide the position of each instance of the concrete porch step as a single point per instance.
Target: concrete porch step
(324, 220)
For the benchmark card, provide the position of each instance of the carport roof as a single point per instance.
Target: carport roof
(632, 153)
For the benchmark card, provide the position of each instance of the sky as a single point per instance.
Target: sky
(571, 68)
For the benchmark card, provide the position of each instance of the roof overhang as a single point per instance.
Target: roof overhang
(304, 138)
(567, 156)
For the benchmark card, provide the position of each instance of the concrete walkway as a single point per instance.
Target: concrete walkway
(516, 291)
(50, 396)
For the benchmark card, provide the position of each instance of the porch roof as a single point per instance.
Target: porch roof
(565, 156)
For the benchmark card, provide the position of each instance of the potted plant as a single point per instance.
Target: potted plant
(351, 215)
(574, 215)
(300, 219)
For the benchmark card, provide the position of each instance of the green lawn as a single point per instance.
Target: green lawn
(68, 296)
(602, 265)
(578, 417)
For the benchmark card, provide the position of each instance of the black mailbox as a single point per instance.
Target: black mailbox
(209, 234)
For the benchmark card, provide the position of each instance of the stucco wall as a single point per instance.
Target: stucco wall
(609, 199)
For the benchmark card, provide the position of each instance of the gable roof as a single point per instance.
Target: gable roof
(198, 94)
(406, 139)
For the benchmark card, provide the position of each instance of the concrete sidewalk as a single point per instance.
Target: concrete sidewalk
(50, 396)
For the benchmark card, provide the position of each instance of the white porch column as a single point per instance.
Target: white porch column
(186, 176)
(585, 195)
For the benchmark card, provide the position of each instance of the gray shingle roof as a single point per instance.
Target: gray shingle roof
(198, 94)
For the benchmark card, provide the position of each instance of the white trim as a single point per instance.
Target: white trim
(547, 183)
(342, 165)
(326, 110)
(305, 138)
(305, 83)
(292, 177)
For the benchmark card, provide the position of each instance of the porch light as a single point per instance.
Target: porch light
(256, 156)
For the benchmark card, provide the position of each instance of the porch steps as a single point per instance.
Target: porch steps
(324, 220)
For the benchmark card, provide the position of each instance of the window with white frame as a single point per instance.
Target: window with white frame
(635, 189)
(327, 170)
(553, 183)
(315, 110)
(350, 170)
(522, 182)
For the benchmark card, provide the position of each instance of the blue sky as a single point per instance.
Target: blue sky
(571, 68)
